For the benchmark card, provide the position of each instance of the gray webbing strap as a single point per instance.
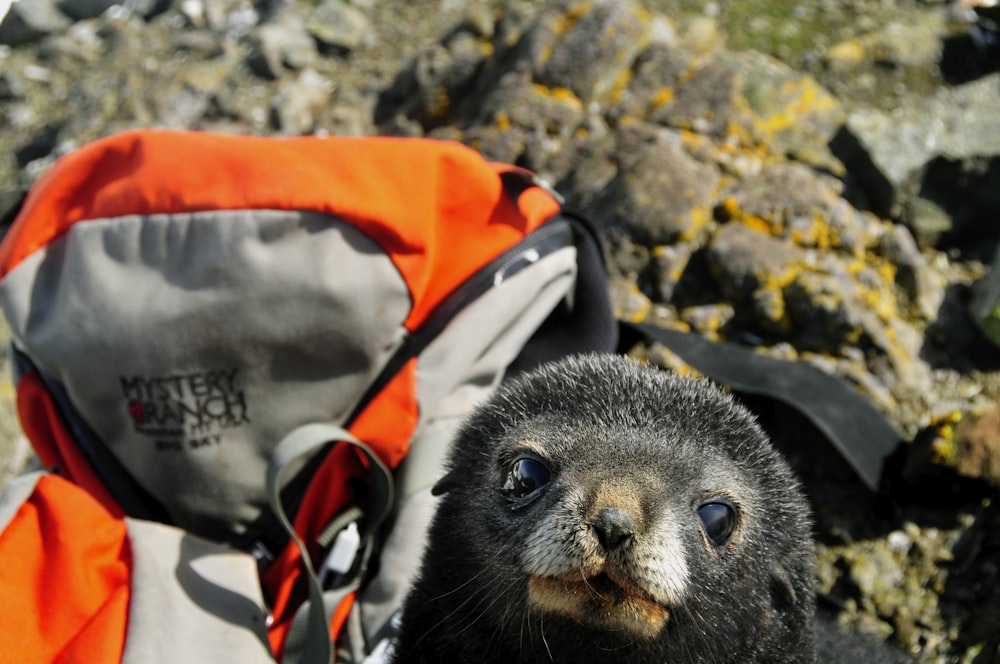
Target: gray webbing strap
(308, 639)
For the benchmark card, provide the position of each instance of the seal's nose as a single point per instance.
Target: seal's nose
(613, 528)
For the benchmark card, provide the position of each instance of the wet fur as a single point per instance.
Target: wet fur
(662, 444)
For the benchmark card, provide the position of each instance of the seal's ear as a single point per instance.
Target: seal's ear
(445, 484)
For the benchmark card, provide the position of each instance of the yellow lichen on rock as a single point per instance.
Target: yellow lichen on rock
(558, 93)
(565, 21)
(943, 450)
(439, 105)
(700, 218)
(663, 96)
(846, 54)
(803, 96)
(621, 84)
(769, 226)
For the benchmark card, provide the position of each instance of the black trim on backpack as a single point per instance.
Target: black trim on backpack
(587, 324)
(127, 492)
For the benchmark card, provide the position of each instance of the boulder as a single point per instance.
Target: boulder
(84, 9)
(943, 152)
(280, 45)
(659, 194)
(589, 47)
(30, 20)
(297, 107)
(338, 27)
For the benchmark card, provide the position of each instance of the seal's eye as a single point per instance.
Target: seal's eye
(526, 477)
(718, 519)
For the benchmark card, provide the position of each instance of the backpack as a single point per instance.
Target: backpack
(251, 353)
(230, 334)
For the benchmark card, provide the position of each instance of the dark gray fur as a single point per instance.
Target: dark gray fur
(607, 418)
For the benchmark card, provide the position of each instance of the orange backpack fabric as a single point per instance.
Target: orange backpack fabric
(65, 578)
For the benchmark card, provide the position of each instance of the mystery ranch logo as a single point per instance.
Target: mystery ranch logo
(188, 410)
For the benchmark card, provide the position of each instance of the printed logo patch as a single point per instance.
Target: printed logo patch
(186, 410)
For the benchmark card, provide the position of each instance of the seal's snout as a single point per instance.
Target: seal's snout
(613, 528)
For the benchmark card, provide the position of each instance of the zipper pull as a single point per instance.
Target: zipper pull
(340, 559)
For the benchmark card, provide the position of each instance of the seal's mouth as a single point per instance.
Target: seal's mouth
(604, 600)
(603, 585)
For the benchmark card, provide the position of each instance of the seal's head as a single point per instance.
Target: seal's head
(599, 510)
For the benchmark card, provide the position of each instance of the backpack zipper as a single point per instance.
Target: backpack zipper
(553, 235)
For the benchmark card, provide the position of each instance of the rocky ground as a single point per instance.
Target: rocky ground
(818, 181)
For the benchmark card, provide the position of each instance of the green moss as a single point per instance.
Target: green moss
(778, 27)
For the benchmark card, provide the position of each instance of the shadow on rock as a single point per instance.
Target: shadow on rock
(973, 581)
(953, 341)
(967, 57)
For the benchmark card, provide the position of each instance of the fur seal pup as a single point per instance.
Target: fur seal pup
(596, 510)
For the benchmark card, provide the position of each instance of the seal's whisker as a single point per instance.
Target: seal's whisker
(463, 584)
(541, 623)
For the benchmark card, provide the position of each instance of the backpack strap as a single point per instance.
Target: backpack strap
(309, 638)
(862, 435)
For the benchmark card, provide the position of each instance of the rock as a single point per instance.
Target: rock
(30, 20)
(890, 155)
(708, 319)
(923, 286)
(189, 95)
(586, 164)
(236, 22)
(280, 45)
(744, 259)
(338, 27)
(753, 268)
(83, 9)
(831, 308)
(298, 105)
(544, 119)
(792, 199)
(823, 302)
(966, 442)
(788, 112)
(976, 446)
(883, 153)
(927, 220)
(627, 301)
(659, 194)
(234, 18)
(657, 73)
(670, 261)
(589, 47)
(877, 572)
(846, 55)
(428, 89)
(704, 103)
(200, 44)
(11, 87)
(898, 44)
(80, 43)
